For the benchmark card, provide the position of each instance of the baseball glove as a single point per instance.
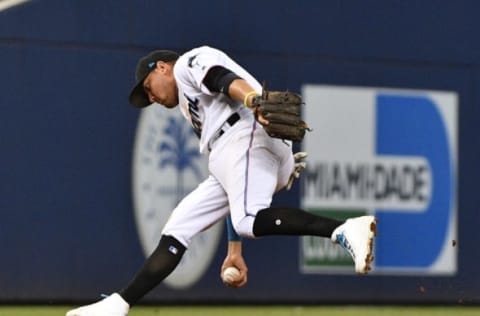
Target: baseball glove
(282, 110)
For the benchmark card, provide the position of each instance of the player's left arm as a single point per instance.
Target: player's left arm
(222, 80)
(242, 91)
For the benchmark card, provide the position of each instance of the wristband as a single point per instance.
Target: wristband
(245, 100)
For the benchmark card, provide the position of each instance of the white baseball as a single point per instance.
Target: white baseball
(230, 275)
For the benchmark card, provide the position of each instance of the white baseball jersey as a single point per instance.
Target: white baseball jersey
(205, 110)
(246, 166)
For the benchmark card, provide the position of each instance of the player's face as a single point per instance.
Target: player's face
(160, 85)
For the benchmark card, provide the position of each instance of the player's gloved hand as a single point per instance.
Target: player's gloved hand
(299, 167)
(280, 114)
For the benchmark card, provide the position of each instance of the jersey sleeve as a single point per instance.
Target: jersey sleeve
(196, 64)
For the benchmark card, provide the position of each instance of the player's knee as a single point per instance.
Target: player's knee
(181, 235)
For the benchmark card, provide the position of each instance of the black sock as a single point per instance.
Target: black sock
(292, 221)
(157, 267)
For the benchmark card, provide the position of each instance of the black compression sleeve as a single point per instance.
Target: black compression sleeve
(292, 221)
(157, 267)
(219, 78)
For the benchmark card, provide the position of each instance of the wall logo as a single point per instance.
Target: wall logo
(388, 152)
(167, 166)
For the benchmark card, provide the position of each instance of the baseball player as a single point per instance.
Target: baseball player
(246, 167)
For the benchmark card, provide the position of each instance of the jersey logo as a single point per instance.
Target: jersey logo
(193, 61)
(194, 115)
(190, 61)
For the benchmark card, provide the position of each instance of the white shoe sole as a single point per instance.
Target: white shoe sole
(369, 257)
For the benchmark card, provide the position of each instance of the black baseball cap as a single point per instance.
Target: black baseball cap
(146, 64)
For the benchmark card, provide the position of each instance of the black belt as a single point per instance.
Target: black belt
(232, 119)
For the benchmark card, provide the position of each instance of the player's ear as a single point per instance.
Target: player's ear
(162, 66)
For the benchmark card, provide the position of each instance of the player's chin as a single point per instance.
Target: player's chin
(170, 105)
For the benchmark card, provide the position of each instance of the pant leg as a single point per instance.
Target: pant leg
(199, 210)
(251, 168)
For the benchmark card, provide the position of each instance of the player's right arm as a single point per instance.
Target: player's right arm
(234, 256)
